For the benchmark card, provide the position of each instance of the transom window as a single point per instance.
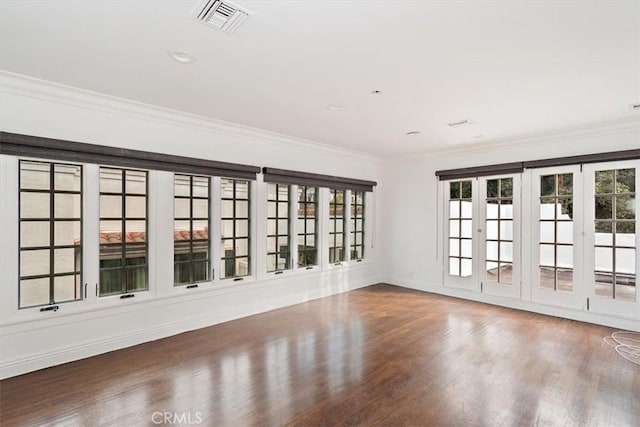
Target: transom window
(357, 224)
(50, 233)
(499, 236)
(191, 229)
(460, 228)
(235, 228)
(278, 206)
(336, 226)
(556, 232)
(307, 226)
(615, 222)
(123, 231)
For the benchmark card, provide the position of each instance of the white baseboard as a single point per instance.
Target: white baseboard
(22, 365)
(566, 313)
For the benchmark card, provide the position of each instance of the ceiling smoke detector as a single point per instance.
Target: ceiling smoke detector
(222, 14)
(460, 123)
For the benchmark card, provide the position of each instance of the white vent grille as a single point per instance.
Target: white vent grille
(223, 15)
(460, 123)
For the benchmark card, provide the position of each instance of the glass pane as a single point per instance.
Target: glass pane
(465, 248)
(625, 207)
(34, 175)
(491, 271)
(492, 251)
(34, 205)
(200, 230)
(625, 287)
(454, 209)
(242, 209)
(181, 273)
(283, 227)
(625, 234)
(272, 192)
(181, 208)
(604, 182)
(242, 247)
(466, 230)
(271, 244)
(492, 230)
(466, 209)
(110, 180)
(492, 188)
(466, 189)
(506, 251)
(242, 266)
(506, 230)
(181, 186)
(110, 206)
(271, 227)
(547, 185)
(492, 209)
(136, 231)
(67, 177)
(565, 256)
(271, 262)
(564, 279)
(227, 209)
(242, 189)
(454, 266)
(604, 207)
(547, 208)
(565, 184)
(454, 190)
(67, 233)
(506, 273)
(271, 209)
(34, 233)
(454, 247)
(546, 275)
(200, 187)
(110, 231)
(626, 261)
(465, 268)
(625, 181)
(547, 232)
(565, 232)
(110, 282)
(33, 263)
(604, 259)
(136, 182)
(283, 209)
(34, 292)
(226, 185)
(67, 288)
(565, 208)
(65, 261)
(604, 284)
(136, 279)
(506, 209)
(506, 187)
(200, 208)
(226, 227)
(242, 228)
(136, 207)
(604, 233)
(547, 255)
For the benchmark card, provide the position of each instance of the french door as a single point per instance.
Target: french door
(482, 235)
(557, 242)
(611, 255)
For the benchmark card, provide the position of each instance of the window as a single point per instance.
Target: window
(307, 226)
(615, 250)
(191, 229)
(50, 233)
(336, 226)
(460, 228)
(357, 224)
(278, 205)
(235, 228)
(556, 232)
(499, 240)
(123, 231)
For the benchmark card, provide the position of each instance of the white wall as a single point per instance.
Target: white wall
(37, 340)
(413, 207)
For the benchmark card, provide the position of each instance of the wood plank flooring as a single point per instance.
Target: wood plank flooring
(381, 355)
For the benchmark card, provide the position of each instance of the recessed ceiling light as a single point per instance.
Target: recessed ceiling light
(413, 133)
(334, 107)
(635, 107)
(460, 123)
(376, 92)
(181, 57)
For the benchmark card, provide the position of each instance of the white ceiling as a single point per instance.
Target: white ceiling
(515, 68)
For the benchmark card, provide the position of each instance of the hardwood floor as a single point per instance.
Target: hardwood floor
(376, 356)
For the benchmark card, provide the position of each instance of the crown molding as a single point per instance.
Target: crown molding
(31, 87)
(611, 127)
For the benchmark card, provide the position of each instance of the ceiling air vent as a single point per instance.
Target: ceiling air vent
(222, 14)
(460, 123)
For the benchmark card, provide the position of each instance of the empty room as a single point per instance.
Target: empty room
(319, 213)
